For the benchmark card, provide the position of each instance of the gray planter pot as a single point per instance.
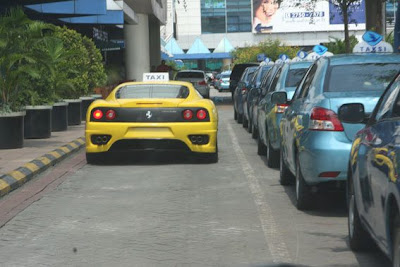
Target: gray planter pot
(74, 111)
(59, 117)
(37, 122)
(86, 101)
(12, 130)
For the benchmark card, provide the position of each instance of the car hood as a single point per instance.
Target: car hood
(368, 99)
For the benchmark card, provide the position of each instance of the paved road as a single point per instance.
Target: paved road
(149, 211)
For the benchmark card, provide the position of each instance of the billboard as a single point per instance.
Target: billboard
(304, 16)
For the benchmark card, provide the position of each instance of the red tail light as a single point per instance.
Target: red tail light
(202, 83)
(280, 108)
(323, 119)
(97, 114)
(201, 114)
(187, 114)
(110, 114)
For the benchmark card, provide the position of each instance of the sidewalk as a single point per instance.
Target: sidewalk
(37, 155)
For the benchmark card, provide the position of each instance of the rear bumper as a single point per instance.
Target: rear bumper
(324, 152)
(155, 136)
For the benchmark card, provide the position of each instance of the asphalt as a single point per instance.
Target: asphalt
(18, 166)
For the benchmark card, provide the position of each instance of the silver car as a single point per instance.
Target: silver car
(198, 78)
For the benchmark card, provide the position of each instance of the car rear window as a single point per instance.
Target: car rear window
(361, 77)
(294, 77)
(189, 75)
(225, 76)
(152, 91)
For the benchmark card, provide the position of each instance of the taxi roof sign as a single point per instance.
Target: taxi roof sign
(372, 42)
(156, 77)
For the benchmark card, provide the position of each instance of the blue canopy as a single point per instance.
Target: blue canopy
(173, 47)
(198, 48)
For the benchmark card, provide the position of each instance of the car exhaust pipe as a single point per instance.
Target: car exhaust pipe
(193, 139)
(199, 139)
(105, 139)
(99, 140)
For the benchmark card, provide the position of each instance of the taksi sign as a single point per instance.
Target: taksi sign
(319, 51)
(372, 43)
(156, 77)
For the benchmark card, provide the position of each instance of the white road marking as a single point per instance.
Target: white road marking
(273, 237)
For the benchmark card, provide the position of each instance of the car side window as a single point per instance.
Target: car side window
(275, 81)
(389, 105)
(300, 85)
(266, 82)
(307, 82)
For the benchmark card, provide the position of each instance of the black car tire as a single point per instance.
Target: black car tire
(272, 156)
(254, 131)
(235, 114)
(359, 239)
(249, 127)
(396, 242)
(239, 118)
(95, 158)
(285, 176)
(261, 148)
(303, 194)
(245, 122)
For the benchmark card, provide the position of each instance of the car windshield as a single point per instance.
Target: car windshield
(152, 91)
(362, 77)
(225, 76)
(294, 77)
(189, 74)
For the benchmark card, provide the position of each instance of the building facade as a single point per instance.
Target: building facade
(243, 22)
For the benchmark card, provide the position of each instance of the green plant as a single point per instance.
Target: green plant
(338, 46)
(97, 74)
(271, 48)
(18, 61)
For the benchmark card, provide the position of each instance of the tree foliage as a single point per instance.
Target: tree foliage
(271, 48)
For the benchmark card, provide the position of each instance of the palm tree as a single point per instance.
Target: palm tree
(18, 35)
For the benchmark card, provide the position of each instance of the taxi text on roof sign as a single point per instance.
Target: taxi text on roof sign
(156, 77)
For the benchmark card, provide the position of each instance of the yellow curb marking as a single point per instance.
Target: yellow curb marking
(65, 149)
(4, 187)
(73, 145)
(31, 166)
(44, 160)
(55, 154)
(19, 176)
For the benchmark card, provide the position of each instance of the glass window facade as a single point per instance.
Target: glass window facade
(213, 16)
(238, 14)
(222, 16)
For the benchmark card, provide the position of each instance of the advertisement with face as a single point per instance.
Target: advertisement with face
(304, 16)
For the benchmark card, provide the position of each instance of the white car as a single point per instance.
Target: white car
(198, 78)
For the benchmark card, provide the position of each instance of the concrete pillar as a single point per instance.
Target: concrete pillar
(227, 63)
(137, 48)
(155, 43)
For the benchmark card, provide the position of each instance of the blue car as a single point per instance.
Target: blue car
(241, 88)
(373, 185)
(250, 94)
(286, 79)
(315, 144)
(259, 95)
(223, 83)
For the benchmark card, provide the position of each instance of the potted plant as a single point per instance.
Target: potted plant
(17, 63)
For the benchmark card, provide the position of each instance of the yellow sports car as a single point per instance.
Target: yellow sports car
(167, 115)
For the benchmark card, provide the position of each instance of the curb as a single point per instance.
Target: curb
(21, 175)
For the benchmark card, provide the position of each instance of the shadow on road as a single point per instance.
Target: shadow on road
(152, 158)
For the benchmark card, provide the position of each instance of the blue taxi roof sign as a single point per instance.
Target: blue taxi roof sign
(372, 42)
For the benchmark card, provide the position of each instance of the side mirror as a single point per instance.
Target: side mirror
(279, 97)
(352, 113)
